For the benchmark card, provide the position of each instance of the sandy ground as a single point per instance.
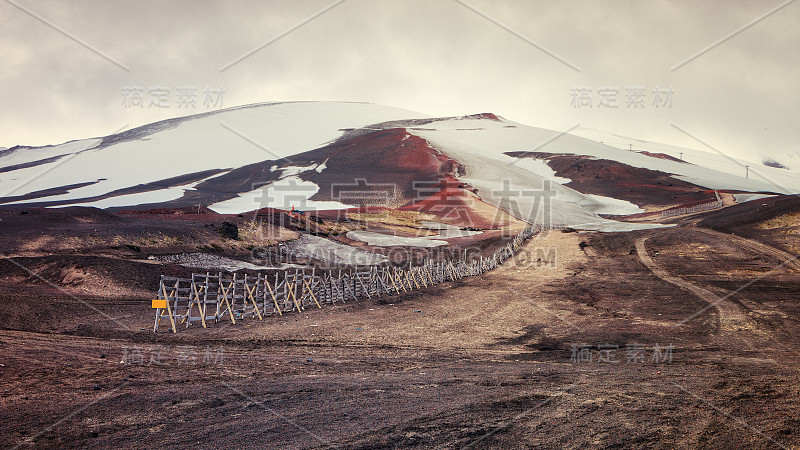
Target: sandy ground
(588, 349)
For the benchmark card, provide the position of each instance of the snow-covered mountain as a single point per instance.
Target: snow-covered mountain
(157, 162)
(329, 155)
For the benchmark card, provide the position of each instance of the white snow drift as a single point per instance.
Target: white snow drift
(287, 193)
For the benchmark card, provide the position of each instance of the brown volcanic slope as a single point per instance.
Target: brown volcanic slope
(82, 230)
(92, 252)
(642, 187)
(387, 160)
(378, 168)
(774, 221)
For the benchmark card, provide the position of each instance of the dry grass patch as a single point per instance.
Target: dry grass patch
(405, 221)
(790, 220)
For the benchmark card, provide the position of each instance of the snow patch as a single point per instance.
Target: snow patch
(325, 250)
(609, 205)
(539, 167)
(742, 198)
(447, 231)
(611, 226)
(427, 224)
(140, 198)
(287, 193)
(387, 240)
(216, 262)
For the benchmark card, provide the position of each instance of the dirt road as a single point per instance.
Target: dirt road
(584, 350)
(731, 317)
(787, 259)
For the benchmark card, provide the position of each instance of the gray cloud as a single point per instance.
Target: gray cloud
(436, 57)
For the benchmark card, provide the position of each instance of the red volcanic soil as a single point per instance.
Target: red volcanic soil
(488, 116)
(394, 149)
(640, 186)
(385, 168)
(662, 156)
(445, 191)
(455, 203)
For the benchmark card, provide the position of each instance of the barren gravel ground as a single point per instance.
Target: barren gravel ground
(595, 352)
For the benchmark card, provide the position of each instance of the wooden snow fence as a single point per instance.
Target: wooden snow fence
(716, 204)
(210, 298)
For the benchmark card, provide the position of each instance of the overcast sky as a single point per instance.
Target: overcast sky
(66, 65)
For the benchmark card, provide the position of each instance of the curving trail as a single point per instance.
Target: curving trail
(730, 315)
(789, 260)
